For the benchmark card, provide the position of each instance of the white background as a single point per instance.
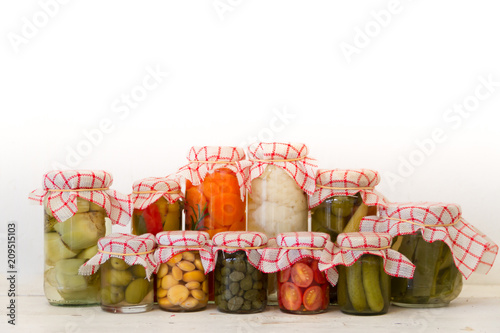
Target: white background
(231, 70)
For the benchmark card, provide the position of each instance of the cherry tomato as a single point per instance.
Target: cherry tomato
(319, 276)
(313, 298)
(291, 296)
(302, 275)
(283, 276)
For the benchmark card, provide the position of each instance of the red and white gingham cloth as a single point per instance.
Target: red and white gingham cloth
(132, 247)
(232, 241)
(63, 204)
(182, 241)
(347, 182)
(168, 187)
(278, 256)
(351, 246)
(472, 250)
(302, 171)
(196, 172)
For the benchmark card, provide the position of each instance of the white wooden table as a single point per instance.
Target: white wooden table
(476, 310)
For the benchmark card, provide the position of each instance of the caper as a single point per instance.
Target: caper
(252, 294)
(235, 303)
(257, 275)
(257, 285)
(236, 276)
(227, 294)
(218, 275)
(222, 304)
(246, 283)
(225, 271)
(234, 287)
(256, 304)
(241, 293)
(250, 268)
(240, 266)
(247, 305)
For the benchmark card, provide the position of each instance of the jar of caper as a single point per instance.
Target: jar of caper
(76, 209)
(441, 244)
(126, 264)
(240, 287)
(341, 199)
(365, 264)
(182, 256)
(158, 205)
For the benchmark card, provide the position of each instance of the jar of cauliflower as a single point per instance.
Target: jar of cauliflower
(281, 178)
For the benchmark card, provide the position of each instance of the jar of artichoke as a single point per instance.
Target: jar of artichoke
(79, 208)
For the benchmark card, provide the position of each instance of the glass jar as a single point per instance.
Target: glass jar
(276, 203)
(68, 245)
(215, 205)
(124, 288)
(182, 285)
(436, 280)
(303, 288)
(158, 216)
(239, 286)
(364, 287)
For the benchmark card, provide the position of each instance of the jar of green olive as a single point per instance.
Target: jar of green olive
(341, 199)
(126, 264)
(240, 287)
(441, 244)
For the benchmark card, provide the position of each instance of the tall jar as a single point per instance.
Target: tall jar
(302, 287)
(183, 257)
(365, 264)
(158, 205)
(126, 263)
(77, 204)
(215, 189)
(239, 285)
(341, 199)
(441, 244)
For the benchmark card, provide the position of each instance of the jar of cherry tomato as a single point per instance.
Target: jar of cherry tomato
(442, 245)
(126, 263)
(215, 189)
(158, 204)
(341, 199)
(239, 285)
(183, 257)
(365, 263)
(302, 287)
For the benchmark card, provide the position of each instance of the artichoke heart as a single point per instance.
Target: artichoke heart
(96, 208)
(88, 252)
(83, 230)
(67, 277)
(55, 249)
(82, 205)
(49, 224)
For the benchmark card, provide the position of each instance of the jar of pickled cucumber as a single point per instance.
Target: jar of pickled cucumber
(158, 205)
(442, 245)
(77, 204)
(365, 264)
(215, 189)
(240, 287)
(126, 265)
(341, 199)
(302, 287)
(183, 257)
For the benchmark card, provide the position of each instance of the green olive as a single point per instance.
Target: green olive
(139, 271)
(112, 295)
(118, 264)
(118, 278)
(136, 291)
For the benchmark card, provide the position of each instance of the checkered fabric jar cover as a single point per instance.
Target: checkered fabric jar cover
(351, 246)
(232, 241)
(472, 250)
(347, 183)
(61, 189)
(206, 159)
(291, 157)
(172, 243)
(148, 190)
(134, 250)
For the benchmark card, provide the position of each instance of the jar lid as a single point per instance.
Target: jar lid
(291, 157)
(240, 239)
(364, 241)
(134, 250)
(148, 190)
(347, 182)
(61, 189)
(182, 238)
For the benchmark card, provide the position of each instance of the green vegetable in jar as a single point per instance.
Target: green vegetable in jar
(136, 291)
(112, 295)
